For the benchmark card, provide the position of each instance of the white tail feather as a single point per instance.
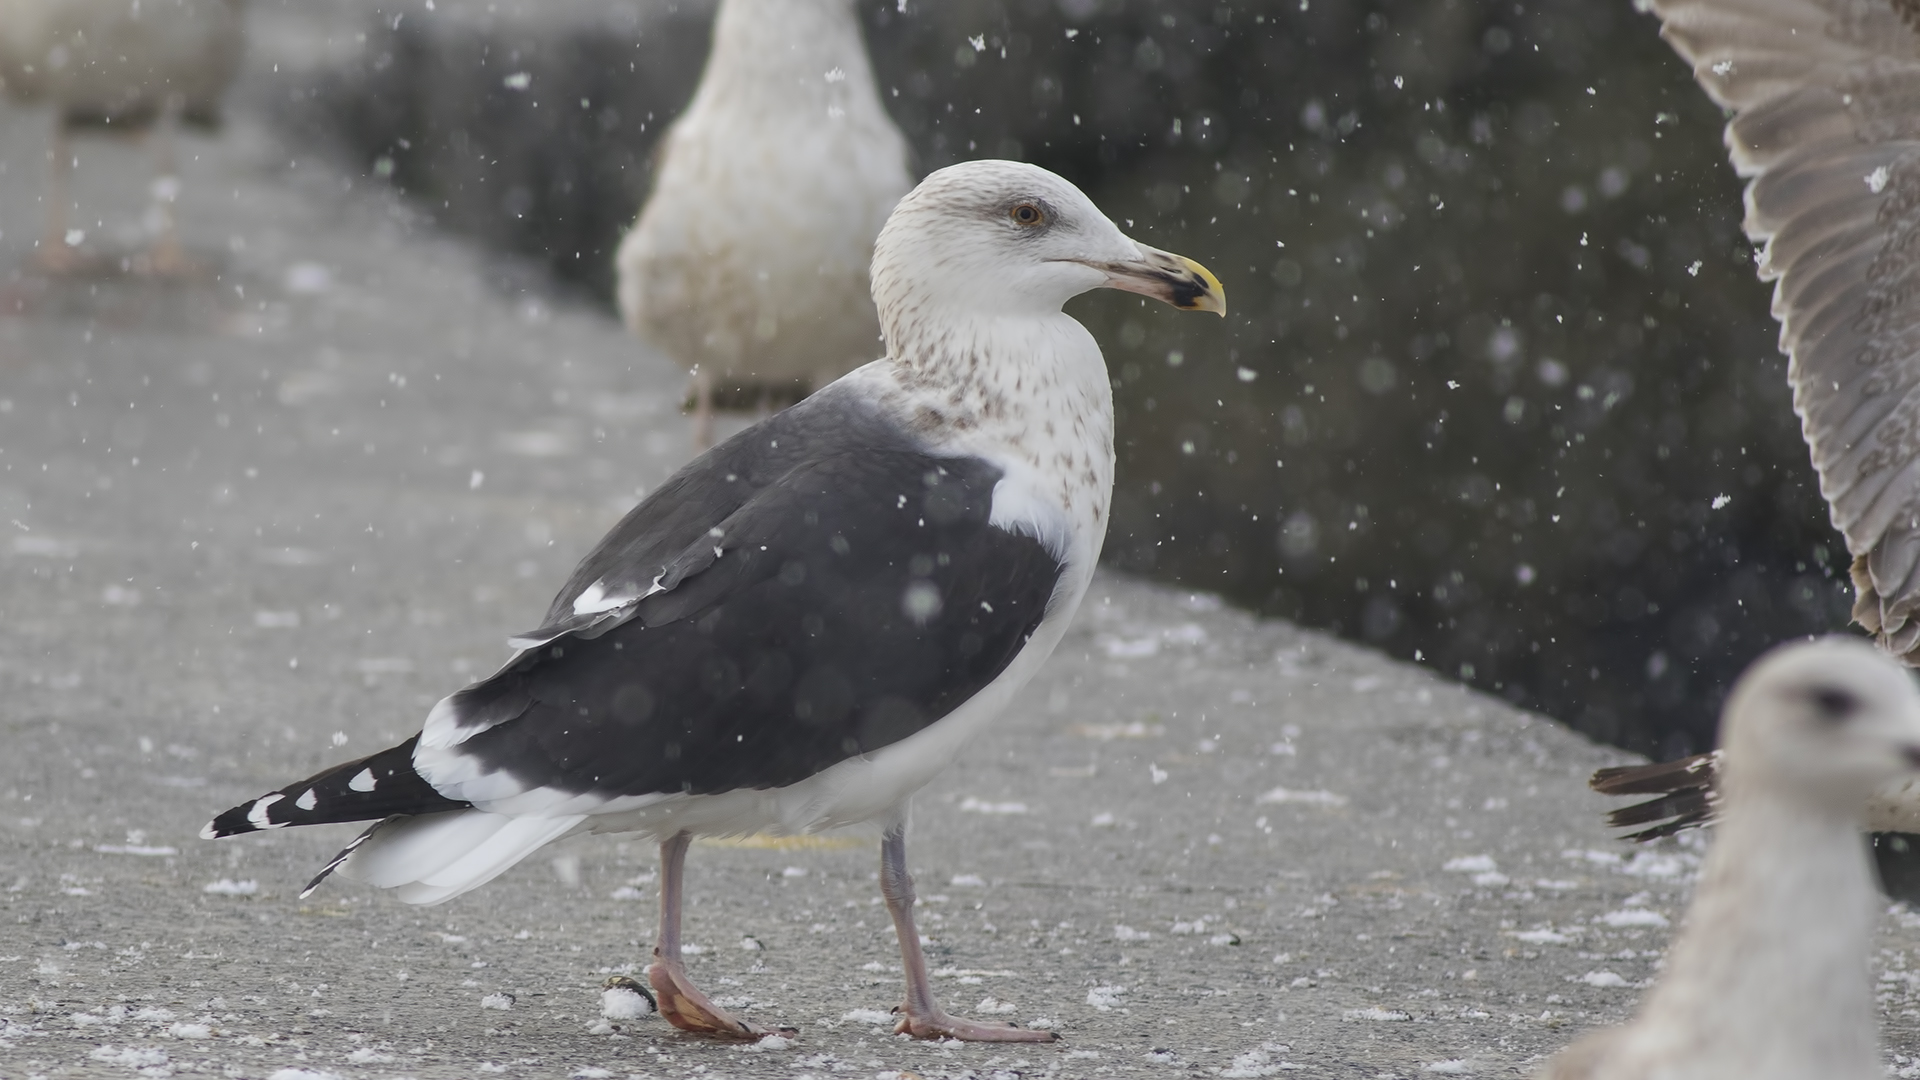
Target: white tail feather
(434, 858)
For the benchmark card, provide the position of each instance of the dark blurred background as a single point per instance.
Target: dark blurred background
(1499, 392)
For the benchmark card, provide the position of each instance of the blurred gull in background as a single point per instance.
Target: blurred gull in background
(1768, 978)
(749, 260)
(119, 66)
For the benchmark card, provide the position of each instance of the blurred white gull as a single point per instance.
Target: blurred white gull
(1768, 978)
(1826, 102)
(113, 66)
(749, 260)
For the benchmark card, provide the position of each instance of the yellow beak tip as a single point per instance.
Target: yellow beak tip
(1212, 296)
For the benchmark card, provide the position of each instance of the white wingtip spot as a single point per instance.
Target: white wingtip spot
(307, 800)
(257, 813)
(594, 599)
(363, 780)
(208, 832)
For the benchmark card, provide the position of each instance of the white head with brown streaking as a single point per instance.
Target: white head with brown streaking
(969, 276)
(1767, 980)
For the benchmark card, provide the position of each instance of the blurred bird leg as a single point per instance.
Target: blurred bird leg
(684, 1006)
(56, 256)
(702, 409)
(166, 256)
(920, 1017)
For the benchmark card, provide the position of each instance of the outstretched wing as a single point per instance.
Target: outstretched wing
(1826, 102)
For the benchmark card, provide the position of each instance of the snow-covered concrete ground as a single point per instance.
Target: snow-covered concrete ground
(257, 523)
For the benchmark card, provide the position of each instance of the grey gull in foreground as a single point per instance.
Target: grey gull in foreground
(807, 623)
(749, 260)
(119, 66)
(1767, 979)
(1826, 104)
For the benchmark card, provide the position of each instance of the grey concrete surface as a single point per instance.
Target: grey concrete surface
(260, 521)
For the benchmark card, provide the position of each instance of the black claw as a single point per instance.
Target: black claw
(622, 982)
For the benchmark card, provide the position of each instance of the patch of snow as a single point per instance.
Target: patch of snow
(1661, 866)
(1259, 1062)
(1471, 864)
(1133, 649)
(131, 1057)
(867, 1016)
(1632, 917)
(620, 1003)
(1310, 798)
(977, 806)
(1375, 1012)
(502, 1002)
(230, 887)
(1603, 979)
(1104, 998)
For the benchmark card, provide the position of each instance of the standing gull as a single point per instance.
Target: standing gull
(768, 300)
(806, 624)
(119, 65)
(1825, 96)
(1768, 978)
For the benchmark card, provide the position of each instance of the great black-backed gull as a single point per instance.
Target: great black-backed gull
(114, 66)
(1827, 126)
(807, 623)
(1768, 979)
(767, 299)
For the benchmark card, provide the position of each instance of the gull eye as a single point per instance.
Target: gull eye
(1833, 704)
(1027, 214)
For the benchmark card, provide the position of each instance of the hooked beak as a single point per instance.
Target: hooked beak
(1170, 278)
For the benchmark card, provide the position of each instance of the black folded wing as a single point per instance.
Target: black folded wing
(853, 595)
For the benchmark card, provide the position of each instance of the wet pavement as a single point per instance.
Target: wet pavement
(259, 520)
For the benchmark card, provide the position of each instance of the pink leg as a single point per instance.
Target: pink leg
(684, 1006)
(920, 1017)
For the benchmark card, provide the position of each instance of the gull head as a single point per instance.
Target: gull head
(1829, 720)
(992, 238)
